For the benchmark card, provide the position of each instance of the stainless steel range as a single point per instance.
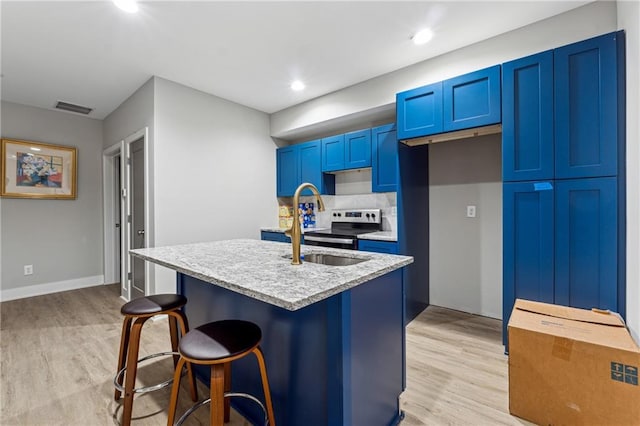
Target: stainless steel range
(346, 225)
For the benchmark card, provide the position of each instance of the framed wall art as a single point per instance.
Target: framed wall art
(38, 170)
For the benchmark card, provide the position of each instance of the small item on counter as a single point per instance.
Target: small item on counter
(307, 215)
(285, 216)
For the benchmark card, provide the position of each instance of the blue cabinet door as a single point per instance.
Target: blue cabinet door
(419, 111)
(388, 247)
(528, 245)
(302, 163)
(274, 236)
(357, 149)
(586, 243)
(527, 118)
(384, 159)
(472, 100)
(333, 153)
(586, 103)
(287, 163)
(311, 165)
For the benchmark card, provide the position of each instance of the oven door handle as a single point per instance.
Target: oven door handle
(328, 240)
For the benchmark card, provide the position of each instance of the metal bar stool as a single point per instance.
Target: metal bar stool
(139, 311)
(218, 344)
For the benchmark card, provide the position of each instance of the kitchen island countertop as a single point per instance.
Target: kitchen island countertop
(262, 269)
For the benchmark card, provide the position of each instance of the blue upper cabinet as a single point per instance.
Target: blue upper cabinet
(586, 243)
(301, 163)
(311, 166)
(333, 153)
(384, 161)
(464, 102)
(357, 149)
(586, 107)
(527, 118)
(472, 100)
(419, 111)
(349, 151)
(287, 163)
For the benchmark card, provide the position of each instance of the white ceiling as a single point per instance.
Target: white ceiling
(93, 54)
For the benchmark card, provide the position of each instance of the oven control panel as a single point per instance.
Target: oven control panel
(357, 216)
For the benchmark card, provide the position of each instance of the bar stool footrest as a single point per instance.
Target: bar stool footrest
(146, 388)
(226, 394)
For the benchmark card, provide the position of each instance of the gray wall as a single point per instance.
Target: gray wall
(214, 170)
(465, 254)
(62, 239)
(629, 20)
(133, 114)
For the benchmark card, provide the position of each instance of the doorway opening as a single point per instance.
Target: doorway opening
(126, 214)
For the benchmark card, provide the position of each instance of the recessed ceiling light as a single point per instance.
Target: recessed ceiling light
(422, 36)
(297, 85)
(130, 6)
(33, 148)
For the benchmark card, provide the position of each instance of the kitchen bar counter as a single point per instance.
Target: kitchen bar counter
(262, 269)
(379, 236)
(333, 336)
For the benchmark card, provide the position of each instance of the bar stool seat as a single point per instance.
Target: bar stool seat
(138, 311)
(153, 305)
(218, 344)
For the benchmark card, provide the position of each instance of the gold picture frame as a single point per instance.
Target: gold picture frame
(38, 170)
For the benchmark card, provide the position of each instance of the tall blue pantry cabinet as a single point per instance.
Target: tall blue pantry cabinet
(563, 173)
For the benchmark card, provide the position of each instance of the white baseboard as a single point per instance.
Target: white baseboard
(40, 289)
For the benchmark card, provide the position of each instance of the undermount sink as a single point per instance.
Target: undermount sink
(331, 259)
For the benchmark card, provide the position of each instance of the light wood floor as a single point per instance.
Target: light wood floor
(58, 355)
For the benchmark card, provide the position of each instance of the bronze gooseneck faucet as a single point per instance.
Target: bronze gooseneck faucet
(295, 232)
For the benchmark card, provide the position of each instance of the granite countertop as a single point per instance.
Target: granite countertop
(379, 236)
(260, 269)
(282, 230)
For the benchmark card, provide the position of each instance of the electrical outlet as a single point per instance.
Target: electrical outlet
(394, 211)
(28, 269)
(471, 211)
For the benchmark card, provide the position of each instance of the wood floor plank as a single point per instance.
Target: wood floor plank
(58, 354)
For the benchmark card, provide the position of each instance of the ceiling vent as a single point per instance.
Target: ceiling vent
(65, 106)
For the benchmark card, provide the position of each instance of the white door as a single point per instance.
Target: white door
(137, 228)
(125, 184)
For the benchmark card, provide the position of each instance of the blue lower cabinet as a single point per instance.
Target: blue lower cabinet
(274, 236)
(387, 247)
(528, 244)
(586, 243)
(560, 243)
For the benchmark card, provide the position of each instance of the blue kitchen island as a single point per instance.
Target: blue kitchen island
(333, 336)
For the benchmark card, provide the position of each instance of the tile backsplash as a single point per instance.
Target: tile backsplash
(385, 201)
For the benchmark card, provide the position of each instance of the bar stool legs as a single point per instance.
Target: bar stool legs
(136, 313)
(265, 384)
(217, 344)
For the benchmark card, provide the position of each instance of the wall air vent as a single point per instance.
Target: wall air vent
(65, 106)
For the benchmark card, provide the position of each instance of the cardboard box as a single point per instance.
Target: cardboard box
(572, 366)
